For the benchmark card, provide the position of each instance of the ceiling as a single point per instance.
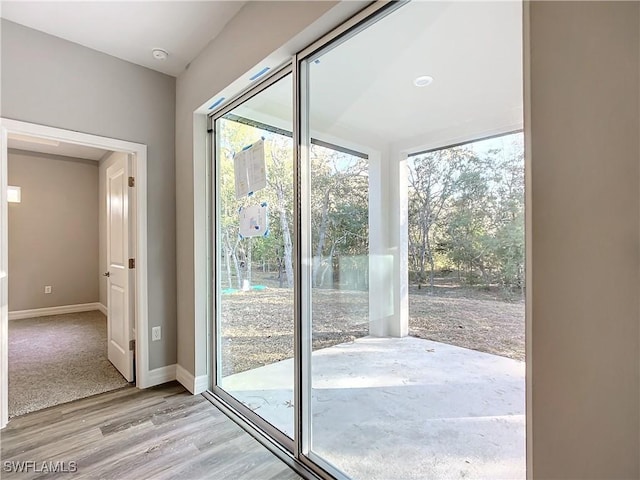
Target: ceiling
(54, 147)
(130, 29)
(362, 93)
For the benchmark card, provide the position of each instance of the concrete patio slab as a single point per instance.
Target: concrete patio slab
(402, 408)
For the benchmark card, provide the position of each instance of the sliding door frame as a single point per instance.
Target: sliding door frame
(229, 401)
(371, 15)
(296, 452)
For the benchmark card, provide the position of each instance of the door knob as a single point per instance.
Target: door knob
(106, 274)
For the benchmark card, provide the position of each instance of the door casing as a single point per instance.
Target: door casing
(138, 229)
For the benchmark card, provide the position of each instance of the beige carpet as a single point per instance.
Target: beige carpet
(57, 359)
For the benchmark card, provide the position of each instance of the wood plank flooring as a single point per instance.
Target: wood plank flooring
(159, 433)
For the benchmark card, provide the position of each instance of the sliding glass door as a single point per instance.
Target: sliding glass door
(254, 271)
(368, 263)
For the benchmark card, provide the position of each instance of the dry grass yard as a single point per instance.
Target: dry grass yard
(257, 326)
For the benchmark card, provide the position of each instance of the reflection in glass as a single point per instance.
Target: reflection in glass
(255, 273)
(414, 263)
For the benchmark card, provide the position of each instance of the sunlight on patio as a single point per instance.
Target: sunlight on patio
(423, 409)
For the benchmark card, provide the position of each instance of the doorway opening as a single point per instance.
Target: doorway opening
(73, 290)
(57, 298)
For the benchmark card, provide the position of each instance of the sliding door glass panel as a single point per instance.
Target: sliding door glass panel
(254, 268)
(413, 248)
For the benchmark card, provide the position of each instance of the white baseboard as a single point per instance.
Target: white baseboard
(201, 384)
(103, 309)
(158, 376)
(61, 310)
(195, 385)
(185, 378)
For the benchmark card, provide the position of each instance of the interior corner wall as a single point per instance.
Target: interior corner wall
(53, 231)
(50, 81)
(585, 247)
(259, 29)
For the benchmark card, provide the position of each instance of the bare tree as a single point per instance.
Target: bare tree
(433, 179)
(281, 180)
(334, 177)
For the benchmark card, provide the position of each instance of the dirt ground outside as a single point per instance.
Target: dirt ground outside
(257, 325)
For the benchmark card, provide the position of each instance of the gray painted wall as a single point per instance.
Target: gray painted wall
(230, 55)
(53, 231)
(50, 81)
(585, 124)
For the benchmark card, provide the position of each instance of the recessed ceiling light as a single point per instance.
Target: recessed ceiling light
(159, 54)
(423, 81)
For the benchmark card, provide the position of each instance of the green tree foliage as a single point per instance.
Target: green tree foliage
(239, 256)
(339, 211)
(466, 212)
(339, 217)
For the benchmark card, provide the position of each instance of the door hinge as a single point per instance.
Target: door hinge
(132, 345)
(132, 182)
(132, 263)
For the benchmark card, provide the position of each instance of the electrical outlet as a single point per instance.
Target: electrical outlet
(156, 334)
(47, 289)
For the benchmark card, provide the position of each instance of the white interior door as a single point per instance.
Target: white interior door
(119, 318)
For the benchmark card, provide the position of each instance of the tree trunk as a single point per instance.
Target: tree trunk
(236, 264)
(280, 275)
(227, 257)
(431, 261)
(485, 276)
(421, 264)
(286, 236)
(249, 248)
(329, 266)
(322, 235)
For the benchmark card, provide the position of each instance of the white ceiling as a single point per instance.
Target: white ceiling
(54, 147)
(362, 92)
(130, 29)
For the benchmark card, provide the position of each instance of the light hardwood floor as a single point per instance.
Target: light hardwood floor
(159, 433)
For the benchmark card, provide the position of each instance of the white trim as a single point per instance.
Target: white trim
(528, 242)
(161, 375)
(140, 172)
(185, 378)
(60, 310)
(195, 385)
(201, 237)
(102, 308)
(4, 283)
(201, 384)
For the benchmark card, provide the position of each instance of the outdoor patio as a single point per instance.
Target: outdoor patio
(403, 408)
